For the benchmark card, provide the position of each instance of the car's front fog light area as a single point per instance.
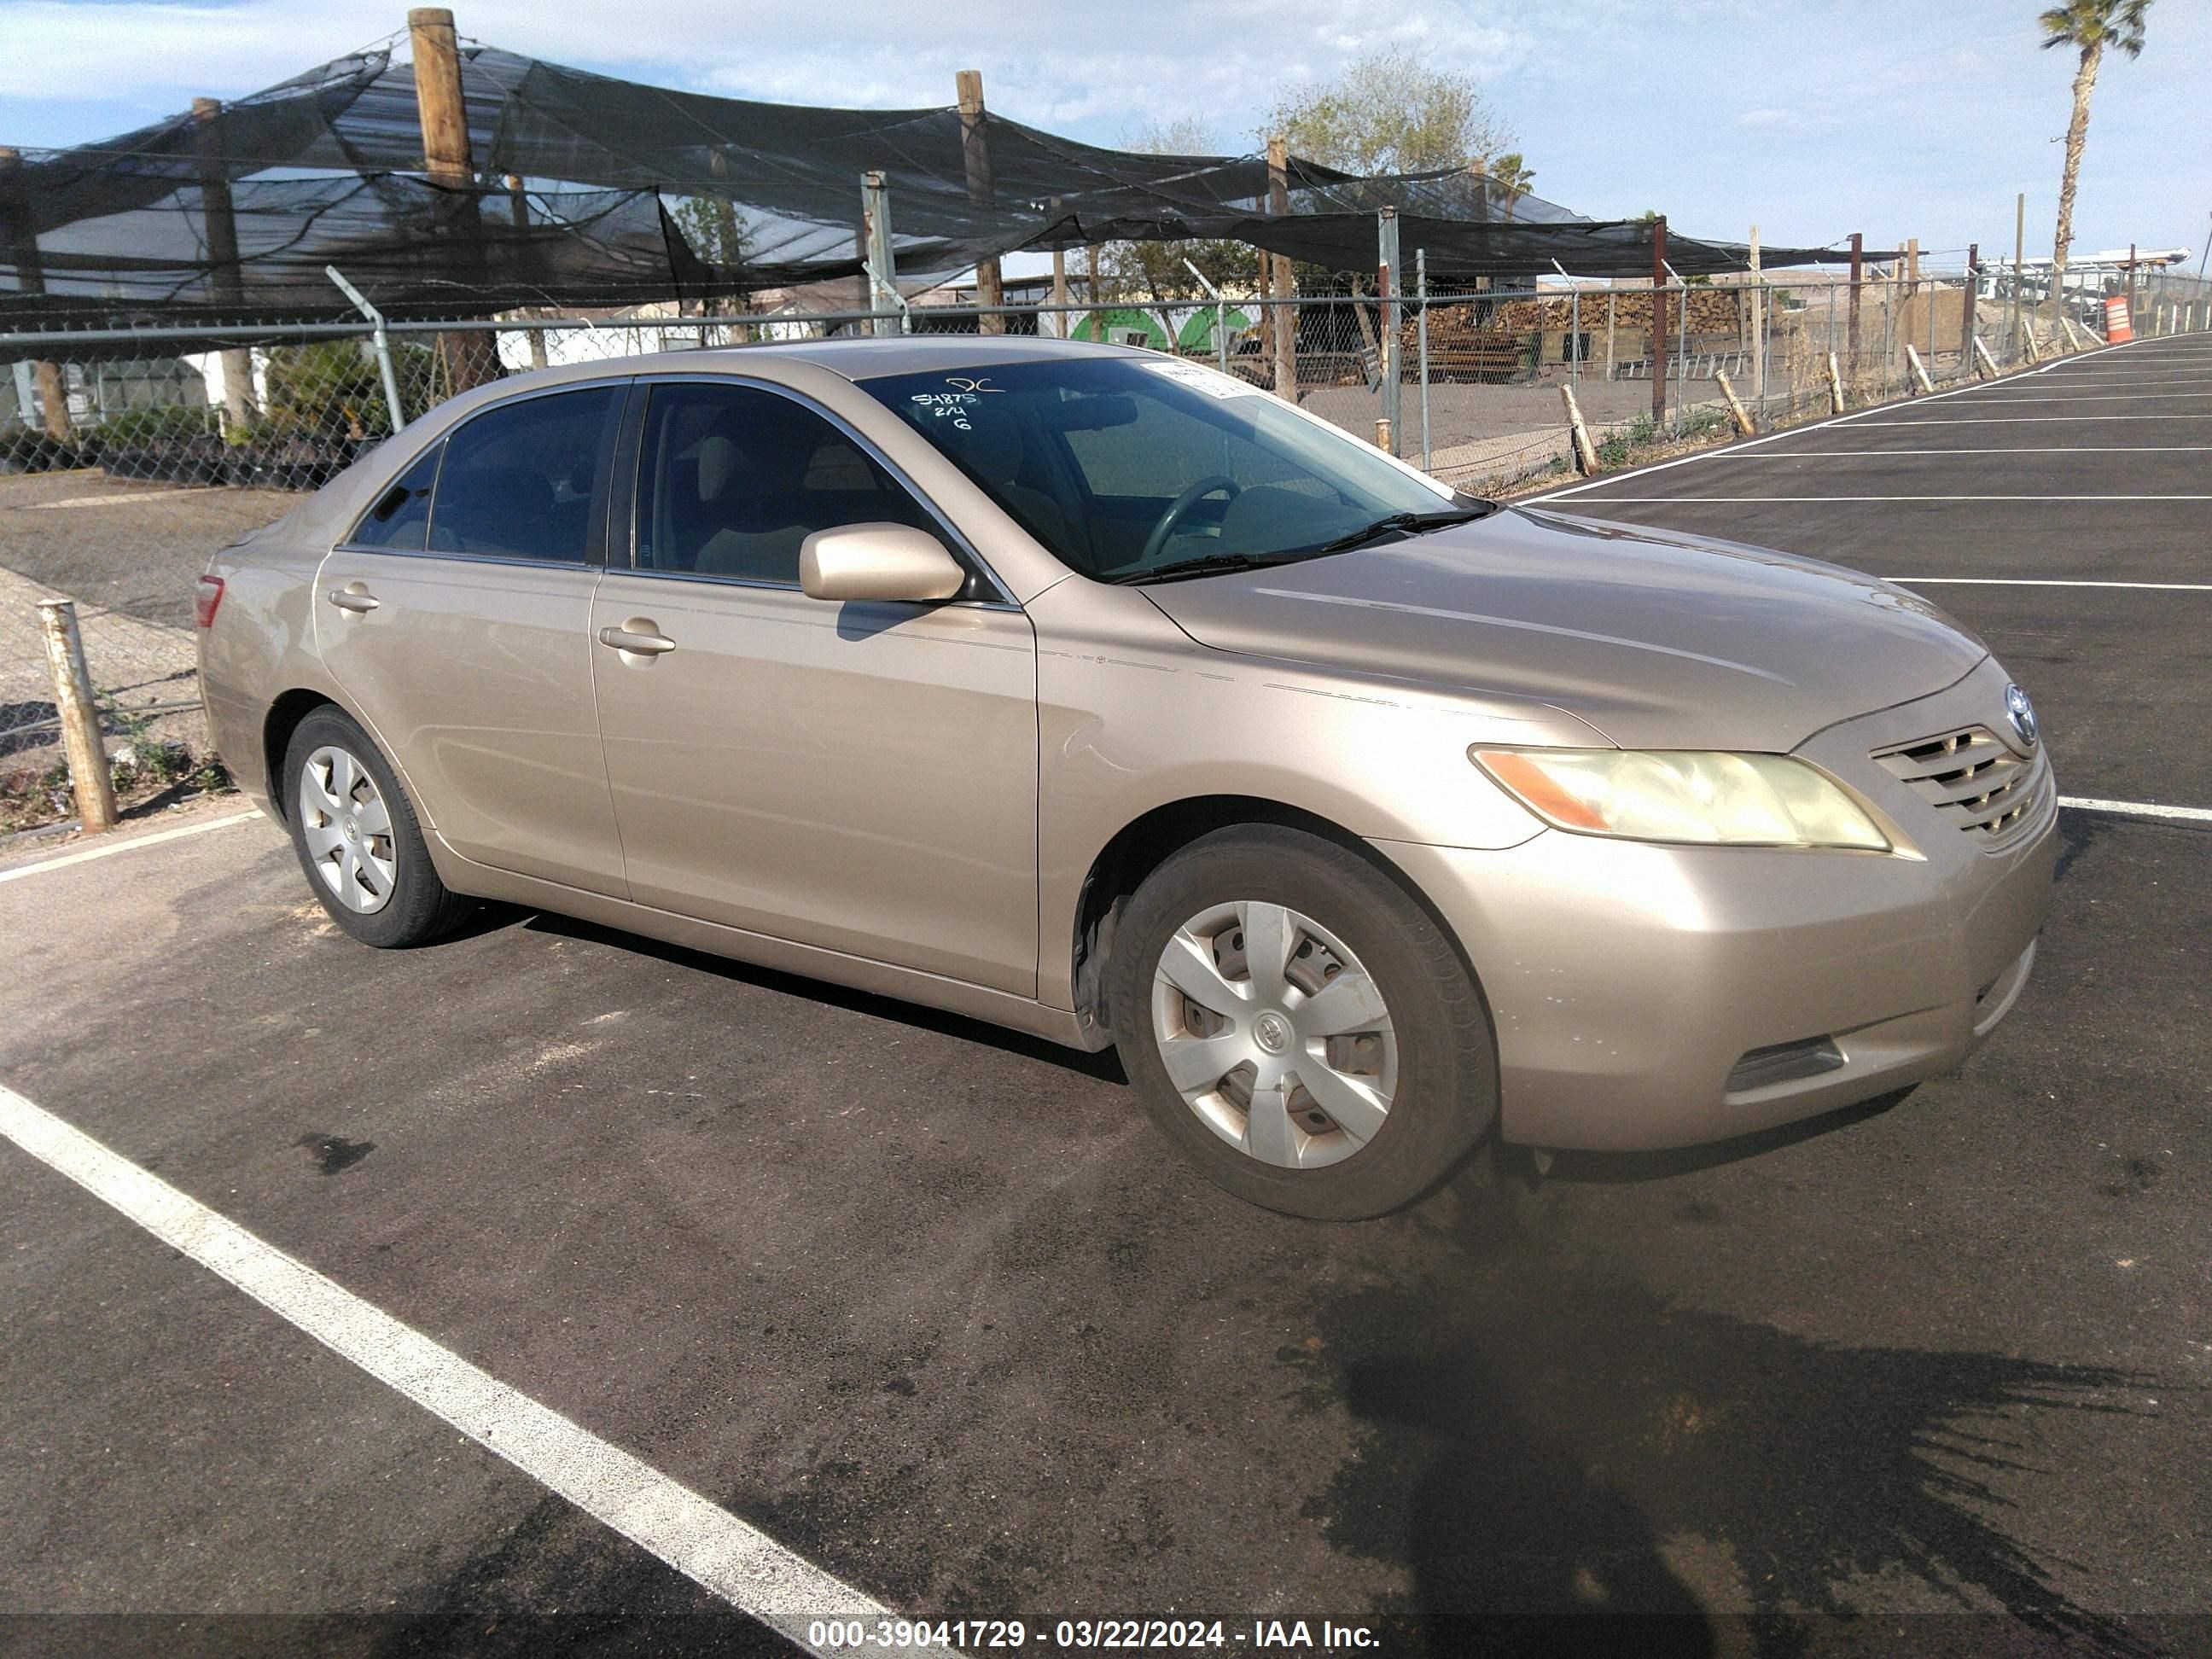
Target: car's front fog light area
(1683, 795)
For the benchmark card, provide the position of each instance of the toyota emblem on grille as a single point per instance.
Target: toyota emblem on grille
(2021, 713)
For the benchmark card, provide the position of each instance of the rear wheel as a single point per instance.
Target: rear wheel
(356, 837)
(1298, 1026)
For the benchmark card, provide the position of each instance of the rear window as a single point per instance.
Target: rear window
(525, 480)
(399, 518)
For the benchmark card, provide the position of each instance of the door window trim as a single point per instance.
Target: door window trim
(620, 543)
(595, 539)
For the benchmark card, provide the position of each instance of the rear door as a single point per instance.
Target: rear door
(861, 777)
(457, 616)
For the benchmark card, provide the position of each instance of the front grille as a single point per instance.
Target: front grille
(1974, 780)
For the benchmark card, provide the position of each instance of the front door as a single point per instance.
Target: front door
(861, 777)
(456, 618)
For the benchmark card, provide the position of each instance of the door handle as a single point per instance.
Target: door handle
(354, 598)
(638, 638)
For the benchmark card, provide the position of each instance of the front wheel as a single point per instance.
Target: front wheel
(356, 837)
(1302, 1030)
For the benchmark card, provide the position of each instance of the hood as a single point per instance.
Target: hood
(1657, 639)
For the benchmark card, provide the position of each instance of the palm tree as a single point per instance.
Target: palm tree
(1515, 176)
(2088, 25)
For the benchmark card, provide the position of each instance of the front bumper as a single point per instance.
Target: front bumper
(1627, 981)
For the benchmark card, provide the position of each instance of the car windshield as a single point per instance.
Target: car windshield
(1142, 469)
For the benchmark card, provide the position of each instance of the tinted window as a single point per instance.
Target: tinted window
(732, 480)
(401, 515)
(523, 480)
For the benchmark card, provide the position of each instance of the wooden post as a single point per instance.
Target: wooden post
(1659, 318)
(1966, 303)
(1283, 314)
(1383, 437)
(470, 356)
(1851, 324)
(1987, 369)
(1919, 369)
(2019, 262)
(519, 202)
(1757, 326)
(1059, 329)
(976, 154)
(1735, 408)
(1578, 434)
(1835, 386)
(226, 280)
(31, 278)
(79, 716)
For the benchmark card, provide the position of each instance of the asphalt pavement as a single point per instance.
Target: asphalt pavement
(930, 1307)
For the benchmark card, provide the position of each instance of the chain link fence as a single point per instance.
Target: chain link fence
(128, 456)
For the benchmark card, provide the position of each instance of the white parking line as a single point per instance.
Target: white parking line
(2041, 581)
(2137, 809)
(1997, 397)
(2024, 449)
(704, 1542)
(129, 843)
(1898, 498)
(2001, 420)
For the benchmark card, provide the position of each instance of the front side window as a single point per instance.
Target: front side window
(399, 518)
(523, 480)
(733, 479)
(1132, 468)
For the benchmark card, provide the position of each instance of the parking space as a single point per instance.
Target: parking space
(930, 1306)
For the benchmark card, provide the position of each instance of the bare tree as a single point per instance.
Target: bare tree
(1390, 112)
(2088, 26)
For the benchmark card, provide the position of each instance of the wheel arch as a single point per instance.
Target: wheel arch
(1150, 840)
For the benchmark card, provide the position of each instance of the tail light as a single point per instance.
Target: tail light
(205, 601)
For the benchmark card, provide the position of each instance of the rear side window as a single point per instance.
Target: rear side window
(400, 518)
(733, 480)
(525, 480)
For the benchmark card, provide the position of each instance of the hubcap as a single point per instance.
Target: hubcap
(347, 830)
(1274, 1034)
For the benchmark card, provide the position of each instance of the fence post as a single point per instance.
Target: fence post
(1387, 289)
(1858, 282)
(1919, 369)
(1578, 434)
(1659, 320)
(518, 202)
(1279, 281)
(2019, 261)
(79, 716)
(1989, 364)
(1421, 286)
(378, 339)
(1968, 297)
(975, 155)
(1835, 387)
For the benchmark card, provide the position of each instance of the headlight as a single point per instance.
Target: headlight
(1682, 795)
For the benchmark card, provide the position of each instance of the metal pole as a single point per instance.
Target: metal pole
(1220, 320)
(1757, 326)
(1387, 288)
(79, 716)
(1574, 324)
(2019, 251)
(1858, 278)
(1659, 319)
(1681, 339)
(1421, 285)
(383, 346)
(1966, 301)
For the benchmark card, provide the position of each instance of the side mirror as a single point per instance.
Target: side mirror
(878, 561)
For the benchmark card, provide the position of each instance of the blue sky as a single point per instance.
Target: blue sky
(1899, 118)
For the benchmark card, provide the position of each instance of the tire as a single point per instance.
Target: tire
(368, 866)
(1427, 1056)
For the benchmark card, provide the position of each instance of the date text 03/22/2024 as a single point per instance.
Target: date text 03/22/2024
(977, 1635)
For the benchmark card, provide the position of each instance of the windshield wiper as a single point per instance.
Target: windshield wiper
(1214, 564)
(1408, 523)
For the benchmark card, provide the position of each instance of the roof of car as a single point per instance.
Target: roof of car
(867, 357)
